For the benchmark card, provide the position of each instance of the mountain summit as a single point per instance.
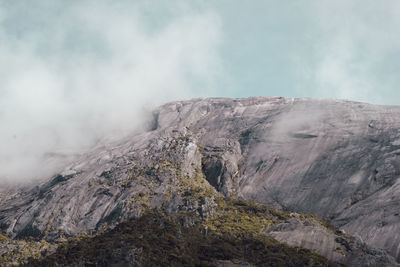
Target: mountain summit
(250, 170)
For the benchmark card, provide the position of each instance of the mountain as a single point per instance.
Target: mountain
(201, 166)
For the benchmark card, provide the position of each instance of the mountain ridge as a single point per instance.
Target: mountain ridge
(333, 158)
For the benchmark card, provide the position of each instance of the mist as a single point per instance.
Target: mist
(355, 50)
(75, 72)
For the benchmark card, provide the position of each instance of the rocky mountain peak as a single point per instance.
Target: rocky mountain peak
(334, 158)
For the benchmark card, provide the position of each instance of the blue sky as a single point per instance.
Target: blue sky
(326, 49)
(72, 72)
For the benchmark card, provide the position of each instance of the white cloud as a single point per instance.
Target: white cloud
(73, 73)
(352, 40)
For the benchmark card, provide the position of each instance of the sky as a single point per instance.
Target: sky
(323, 49)
(75, 72)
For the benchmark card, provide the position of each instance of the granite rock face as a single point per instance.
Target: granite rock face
(337, 159)
(334, 245)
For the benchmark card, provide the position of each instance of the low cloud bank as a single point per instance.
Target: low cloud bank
(75, 72)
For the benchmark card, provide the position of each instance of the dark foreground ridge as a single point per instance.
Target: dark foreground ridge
(337, 159)
(181, 239)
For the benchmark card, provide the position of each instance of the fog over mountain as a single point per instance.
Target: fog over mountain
(74, 74)
(199, 133)
(341, 163)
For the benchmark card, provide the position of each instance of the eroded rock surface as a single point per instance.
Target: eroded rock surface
(335, 245)
(337, 159)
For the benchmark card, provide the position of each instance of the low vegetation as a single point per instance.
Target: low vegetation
(206, 229)
(233, 234)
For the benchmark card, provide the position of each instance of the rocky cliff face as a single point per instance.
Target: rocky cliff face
(337, 159)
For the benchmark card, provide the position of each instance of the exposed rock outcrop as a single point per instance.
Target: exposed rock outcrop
(337, 159)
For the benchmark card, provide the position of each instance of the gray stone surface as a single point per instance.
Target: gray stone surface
(334, 245)
(335, 158)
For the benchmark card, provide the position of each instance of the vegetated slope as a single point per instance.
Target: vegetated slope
(185, 239)
(336, 159)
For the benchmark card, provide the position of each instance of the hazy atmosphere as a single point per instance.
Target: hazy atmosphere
(74, 72)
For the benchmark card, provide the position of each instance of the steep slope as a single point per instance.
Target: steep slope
(336, 159)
